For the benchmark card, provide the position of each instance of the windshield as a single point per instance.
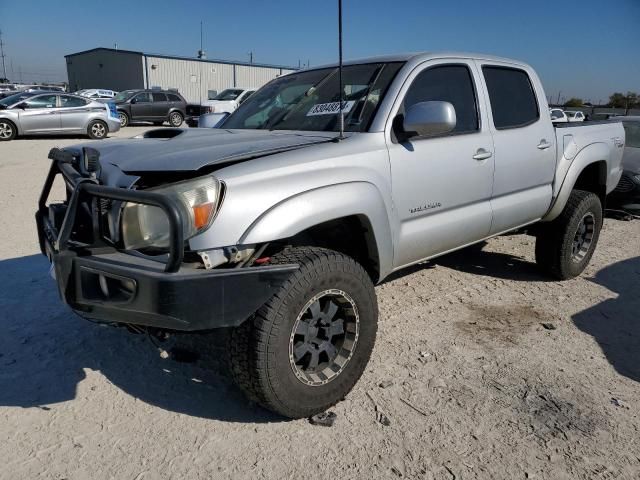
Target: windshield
(310, 100)
(124, 95)
(228, 94)
(570, 114)
(16, 98)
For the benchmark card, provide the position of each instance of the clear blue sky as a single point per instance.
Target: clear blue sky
(585, 48)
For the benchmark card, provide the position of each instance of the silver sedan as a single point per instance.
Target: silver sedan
(38, 113)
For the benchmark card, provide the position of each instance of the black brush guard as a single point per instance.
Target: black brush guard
(103, 283)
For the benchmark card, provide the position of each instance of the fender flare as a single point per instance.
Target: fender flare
(589, 155)
(313, 207)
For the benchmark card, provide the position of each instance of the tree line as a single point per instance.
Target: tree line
(616, 100)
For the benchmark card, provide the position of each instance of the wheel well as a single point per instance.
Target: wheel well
(351, 235)
(594, 179)
(15, 127)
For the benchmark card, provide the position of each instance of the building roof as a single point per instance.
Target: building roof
(177, 57)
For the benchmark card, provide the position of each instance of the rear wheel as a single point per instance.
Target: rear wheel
(565, 246)
(305, 349)
(97, 130)
(8, 130)
(124, 119)
(175, 119)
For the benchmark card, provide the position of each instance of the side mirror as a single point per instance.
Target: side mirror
(21, 106)
(133, 100)
(429, 118)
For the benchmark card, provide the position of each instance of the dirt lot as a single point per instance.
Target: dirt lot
(475, 385)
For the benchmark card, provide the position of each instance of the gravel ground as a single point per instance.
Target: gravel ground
(468, 379)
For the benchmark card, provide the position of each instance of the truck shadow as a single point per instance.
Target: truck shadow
(475, 260)
(615, 323)
(46, 352)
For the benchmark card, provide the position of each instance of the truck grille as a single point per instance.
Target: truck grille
(624, 185)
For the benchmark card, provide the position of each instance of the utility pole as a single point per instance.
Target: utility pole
(558, 102)
(250, 57)
(4, 68)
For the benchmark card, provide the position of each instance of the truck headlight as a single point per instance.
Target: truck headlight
(148, 226)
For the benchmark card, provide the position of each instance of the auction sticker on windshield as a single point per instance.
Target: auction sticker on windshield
(330, 108)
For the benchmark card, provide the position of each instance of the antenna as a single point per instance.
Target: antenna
(341, 118)
(4, 68)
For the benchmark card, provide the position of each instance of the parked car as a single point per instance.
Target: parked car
(226, 101)
(627, 192)
(157, 106)
(96, 93)
(38, 113)
(278, 226)
(558, 115)
(574, 116)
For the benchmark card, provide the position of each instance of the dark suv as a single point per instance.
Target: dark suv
(157, 106)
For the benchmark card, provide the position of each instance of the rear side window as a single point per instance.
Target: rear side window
(159, 97)
(173, 97)
(513, 101)
(68, 101)
(448, 83)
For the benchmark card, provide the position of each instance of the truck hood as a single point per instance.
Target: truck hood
(193, 149)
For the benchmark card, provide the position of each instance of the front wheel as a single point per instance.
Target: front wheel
(7, 130)
(564, 246)
(175, 119)
(124, 119)
(306, 348)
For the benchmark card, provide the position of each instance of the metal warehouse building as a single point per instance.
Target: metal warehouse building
(194, 78)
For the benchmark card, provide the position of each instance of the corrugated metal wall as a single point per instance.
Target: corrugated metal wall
(253, 77)
(194, 79)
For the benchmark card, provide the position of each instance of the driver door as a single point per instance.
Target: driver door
(141, 106)
(40, 115)
(441, 185)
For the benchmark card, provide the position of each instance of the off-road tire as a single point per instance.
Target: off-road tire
(555, 240)
(124, 119)
(9, 130)
(258, 350)
(176, 119)
(97, 130)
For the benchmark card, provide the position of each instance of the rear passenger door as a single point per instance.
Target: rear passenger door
(74, 113)
(160, 105)
(441, 185)
(524, 142)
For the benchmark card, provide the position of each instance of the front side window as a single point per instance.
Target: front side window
(67, 101)
(143, 97)
(42, 101)
(447, 83)
(310, 100)
(632, 134)
(513, 101)
(124, 95)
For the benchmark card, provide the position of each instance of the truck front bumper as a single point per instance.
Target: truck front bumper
(116, 287)
(102, 283)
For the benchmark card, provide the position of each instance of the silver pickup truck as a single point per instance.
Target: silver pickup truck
(278, 227)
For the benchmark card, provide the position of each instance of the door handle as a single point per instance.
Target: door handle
(482, 154)
(543, 145)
